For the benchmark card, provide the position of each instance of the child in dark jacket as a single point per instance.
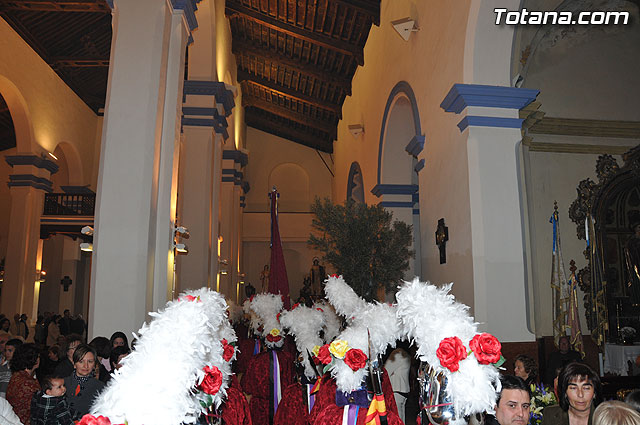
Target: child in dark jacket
(49, 406)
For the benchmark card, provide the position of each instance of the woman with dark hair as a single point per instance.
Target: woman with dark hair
(117, 354)
(22, 385)
(580, 393)
(82, 387)
(5, 325)
(103, 350)
(526, 368)
(119, 339)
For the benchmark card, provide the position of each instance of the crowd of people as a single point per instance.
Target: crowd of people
(53, 376)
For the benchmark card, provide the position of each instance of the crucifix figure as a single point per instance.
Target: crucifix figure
(66, 282)
(442, 236)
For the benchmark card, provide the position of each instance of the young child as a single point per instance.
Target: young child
(49, 406)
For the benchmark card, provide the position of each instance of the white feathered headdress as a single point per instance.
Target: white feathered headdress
(332, 323)
(368, 321)
(447, 339)
(178, 362)
(305, 324)
(267, 308)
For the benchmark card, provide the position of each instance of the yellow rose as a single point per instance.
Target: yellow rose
(274, 332)
(339, 348)
(316, 350)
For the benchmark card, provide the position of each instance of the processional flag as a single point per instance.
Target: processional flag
(574, 318)
(559, 285)
(278, 281)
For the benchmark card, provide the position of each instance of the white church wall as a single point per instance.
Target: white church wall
(430, 68)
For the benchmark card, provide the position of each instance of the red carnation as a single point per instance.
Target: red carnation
(228, 350)
(355, 359)
(450, 352)
(272, 338)
(486, 348)
(334, 275)
(212, 380)
(293, 307)
(278, 317)
(319, 309)
(92, 420)
(324, 355)
(189, 298)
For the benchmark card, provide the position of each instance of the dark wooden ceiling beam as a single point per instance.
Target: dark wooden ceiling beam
(320, 39)
(56, 6)
(80, 62)
(297, 136)
(287, 92)
(338, 80)
(324, 126)
(368, 7)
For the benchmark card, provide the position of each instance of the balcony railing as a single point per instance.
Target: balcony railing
(68, 204)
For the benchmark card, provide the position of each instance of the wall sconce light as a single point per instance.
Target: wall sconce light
(87, 230)
(224, 272)
(40, 276)
(223, 262)
(182, 231)
(86, 246)
(356, 130)
(181, 248)
(52, 156)
(404, 27)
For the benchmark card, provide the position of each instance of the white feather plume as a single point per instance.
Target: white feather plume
(332, 323)
(429, 314)
(155, 384)
(378, 319)
(266, 307)
(304, 324)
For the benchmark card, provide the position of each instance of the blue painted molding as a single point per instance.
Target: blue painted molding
(219, 128)
(394, 189)
(419, 166)
(34, 160)
(29, 180)
(416, 211)
(228, 179)
(77, 190)
(500, 122)
(395, 204)
(238, 157)
(415, 198)
(462, 95)
(416, 145)
(210, 88)
(232, 172)
(189, 8)
(404, 88)
(242, 205)
(242, 198)
(245, 187)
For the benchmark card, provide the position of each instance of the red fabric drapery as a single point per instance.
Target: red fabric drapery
(278, 281)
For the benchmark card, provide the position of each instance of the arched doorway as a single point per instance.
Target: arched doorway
(401, 141)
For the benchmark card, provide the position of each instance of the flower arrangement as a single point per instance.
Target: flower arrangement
(541, 397)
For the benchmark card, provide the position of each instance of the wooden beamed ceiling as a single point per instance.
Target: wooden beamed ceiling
(296, 60)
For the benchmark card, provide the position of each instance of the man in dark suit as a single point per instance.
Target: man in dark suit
(513, 403)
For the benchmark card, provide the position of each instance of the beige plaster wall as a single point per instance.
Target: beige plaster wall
(430, 62)
(57, 114)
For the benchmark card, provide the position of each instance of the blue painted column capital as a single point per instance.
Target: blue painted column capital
(462, 96)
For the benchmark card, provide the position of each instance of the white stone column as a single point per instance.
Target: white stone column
(132, 260)
(28, 183)
(489, 118)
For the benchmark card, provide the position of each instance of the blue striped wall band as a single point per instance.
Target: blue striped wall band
(396, 204)
(416, 145)
(415, 198)
(245, 186)
(29, 180)
(242, 205)
(462, 95)
(419, 166)
(232, 172)
(416, 211)
(401, 87)
(228, 179)
(500, 122)
(242, 198)
(394, 189)
(238, 157)
(210, 88)
(44, 163)
(207, 122)
(189, 8)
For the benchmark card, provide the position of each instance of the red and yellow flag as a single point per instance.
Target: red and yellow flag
(377, 413)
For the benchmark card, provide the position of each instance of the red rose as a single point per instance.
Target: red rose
(450, 352)
(228, 350)
(293, 307)
(355, 359)
(319, 309)
(334, 275)
(212, 380)
(278, 317)
(92, 420)
(486, 348)
(324, 355)
(272, 338)
(189, 298)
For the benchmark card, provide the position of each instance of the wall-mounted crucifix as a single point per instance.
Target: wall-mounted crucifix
(442, 236)
(66, 282)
